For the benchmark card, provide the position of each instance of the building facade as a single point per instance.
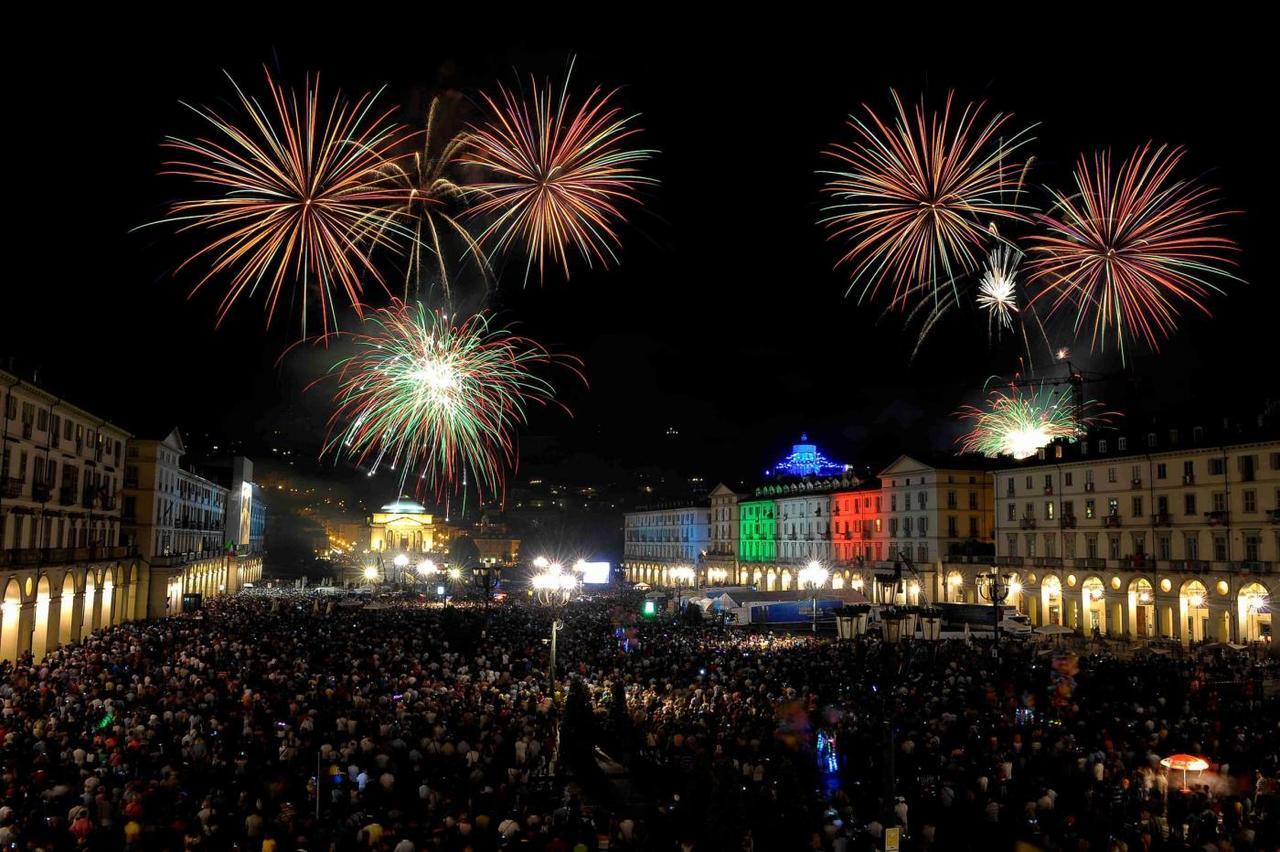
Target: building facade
(858, 533)
(177, 520)
(658, 542)
(63, 568)
(722, 550)
(1164, 534)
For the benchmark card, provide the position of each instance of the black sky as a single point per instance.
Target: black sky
(725, 318)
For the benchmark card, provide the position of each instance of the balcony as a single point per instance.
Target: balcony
(1273, 516)
(1048, 492)
(1027, 523)
(1090, 562)
(1161, 519)
(1191, 566)
(11, 487)
(1135, 484)
(1088, 486)
(1218, 518)
(63, 555)
(1112, 521)
(1188, 479)
(1253, 566)
(1067, 522)
(1046, 561)
(67, 495)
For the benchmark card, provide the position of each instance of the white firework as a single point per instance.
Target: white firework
(997, 294)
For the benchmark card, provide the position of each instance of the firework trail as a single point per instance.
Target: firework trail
(913, 201)
(1130, 248)
(426, 395)
(558, 176)
(285, 192)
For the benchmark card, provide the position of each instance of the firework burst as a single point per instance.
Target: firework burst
(284, 196)
(427, 396)
(913, 201)
(1130, 248)
(997, 291)
(1021, 420)
(558, 175)
(429, 201)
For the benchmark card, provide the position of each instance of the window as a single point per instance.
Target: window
(973, 499)
(924, 525)
(1012, 544)
(1091, 546)
(906, 527)
(1048, 482)
(1151, 439)
(1030, 511)
(1013, 511)
(1088, 509)
(1251, 501)
(1009, 487)
(1068, 508)
(1030, 483)
(1031, 544)
(1192, 544)
(1188, 504)
(1048, 510)
(1113, 547)
(1111, 474)
(1189, 471)
(1135, 473)
(1068, 478)
(1252, 546)
(1219, 501)
(893, 502)
(1164, 548)
(1216, 467)
(1162, 505)
(973, 526)
(1102, 446)
(893, 527)
(1220, 548)
(1069, 546)
(1137, 507)
(951, 499)
(922, 500)
(951, 527)
(1122, 444)
(1275, 461)
(1113, 507)
(1162, 471)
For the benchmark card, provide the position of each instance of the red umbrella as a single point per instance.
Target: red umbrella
(1185, 762)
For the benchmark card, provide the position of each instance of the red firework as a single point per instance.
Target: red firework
(915, 200)
(1130, 247)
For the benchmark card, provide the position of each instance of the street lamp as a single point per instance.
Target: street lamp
(370, 573)
(997, 587)
(813, 577)
(553, 588)
(426, 568)
(681, 575)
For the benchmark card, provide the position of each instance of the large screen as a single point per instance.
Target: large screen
(594, 573)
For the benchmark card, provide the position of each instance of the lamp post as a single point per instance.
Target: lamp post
(996, 587)
(553, 588)
(813, 577)
(401, 562)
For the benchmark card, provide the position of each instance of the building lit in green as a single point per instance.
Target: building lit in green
(758, 536)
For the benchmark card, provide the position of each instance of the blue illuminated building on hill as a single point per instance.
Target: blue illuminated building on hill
(805, 460)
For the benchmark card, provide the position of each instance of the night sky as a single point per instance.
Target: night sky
(725, 319)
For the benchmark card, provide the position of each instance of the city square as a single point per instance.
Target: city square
(554, 443)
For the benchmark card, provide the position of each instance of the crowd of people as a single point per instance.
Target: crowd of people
(284, 720)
